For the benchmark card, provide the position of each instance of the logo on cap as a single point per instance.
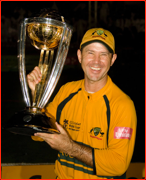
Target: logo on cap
(99, 34)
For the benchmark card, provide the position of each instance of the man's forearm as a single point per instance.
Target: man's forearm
(62, 142)
(82, 153)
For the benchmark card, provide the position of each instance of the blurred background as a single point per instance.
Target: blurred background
(126, 21)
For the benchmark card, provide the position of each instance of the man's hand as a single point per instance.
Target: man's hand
(34, 78)
(63, 142)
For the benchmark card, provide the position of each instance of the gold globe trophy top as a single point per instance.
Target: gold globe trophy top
(45, 36)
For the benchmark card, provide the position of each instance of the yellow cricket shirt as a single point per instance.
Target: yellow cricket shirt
(105, 121)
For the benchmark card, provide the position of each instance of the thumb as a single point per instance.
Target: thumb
(60, 128)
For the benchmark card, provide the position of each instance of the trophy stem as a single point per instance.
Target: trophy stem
(45, 69)
(46, 57)
(41, 57)
(50, 62)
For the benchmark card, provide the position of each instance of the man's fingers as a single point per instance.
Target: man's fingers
(49, 138)
(60, 128)
(37, 69)
(43, 135)
(35, 75)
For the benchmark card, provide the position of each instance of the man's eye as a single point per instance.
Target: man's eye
(103, 54)
(90, 52)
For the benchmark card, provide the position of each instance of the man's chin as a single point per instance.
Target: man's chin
(97, 79)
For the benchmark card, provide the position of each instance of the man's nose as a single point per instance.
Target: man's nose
(97, 59)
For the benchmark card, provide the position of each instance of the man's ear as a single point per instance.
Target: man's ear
(113, 59)
(79, 55)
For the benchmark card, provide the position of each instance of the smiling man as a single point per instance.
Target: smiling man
(97, 121)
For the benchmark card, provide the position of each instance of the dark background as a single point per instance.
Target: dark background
(126, 20)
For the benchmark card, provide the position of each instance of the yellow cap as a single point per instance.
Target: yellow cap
(99, 35)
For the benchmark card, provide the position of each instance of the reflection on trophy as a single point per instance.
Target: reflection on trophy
(51, 35)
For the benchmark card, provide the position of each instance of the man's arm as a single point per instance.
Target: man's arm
(115, 159)
(82, 153)
(62, 142)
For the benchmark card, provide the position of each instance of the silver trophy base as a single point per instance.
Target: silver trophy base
(29, 121)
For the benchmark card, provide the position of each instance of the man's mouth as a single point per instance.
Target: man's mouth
(96, 68)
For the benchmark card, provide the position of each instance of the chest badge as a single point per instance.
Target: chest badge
(97, 133)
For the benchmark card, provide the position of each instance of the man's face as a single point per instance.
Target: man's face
(95, 60)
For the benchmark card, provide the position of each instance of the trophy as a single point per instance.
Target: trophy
(50, 34)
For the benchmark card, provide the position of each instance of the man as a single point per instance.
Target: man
(96, 120)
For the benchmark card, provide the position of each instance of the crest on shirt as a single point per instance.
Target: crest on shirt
(97, 133)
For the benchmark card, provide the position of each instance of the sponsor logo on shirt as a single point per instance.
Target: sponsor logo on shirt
(122, 133)
(71, 125)
(97, 133)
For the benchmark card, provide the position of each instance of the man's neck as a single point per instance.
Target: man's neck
(94, 86)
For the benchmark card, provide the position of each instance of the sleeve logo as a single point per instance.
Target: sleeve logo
(122, 133)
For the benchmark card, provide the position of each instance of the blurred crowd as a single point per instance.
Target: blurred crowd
(125, 23)
(10, 26)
